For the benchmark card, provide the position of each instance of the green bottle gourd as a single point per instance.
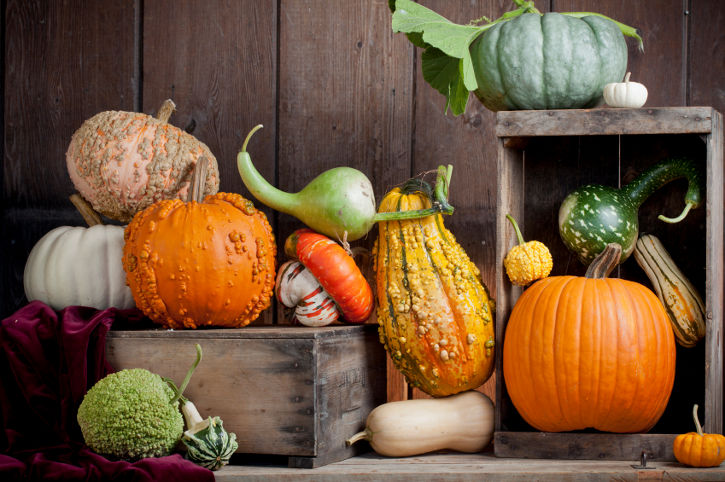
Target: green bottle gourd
(594, 215)
(339, 203)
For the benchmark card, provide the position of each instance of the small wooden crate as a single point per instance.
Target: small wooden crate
(544, 155)
(288, 391)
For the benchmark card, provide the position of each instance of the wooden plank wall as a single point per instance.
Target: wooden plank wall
(328, 80)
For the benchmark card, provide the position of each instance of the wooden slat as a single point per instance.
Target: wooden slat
(714, 295)
(706, 61)
(59, 69)
(583, 446)
(217, 60)
(510, 200)
(467, 142)
(480, 466)
(605, 121)
(345, 87)
(662, 65)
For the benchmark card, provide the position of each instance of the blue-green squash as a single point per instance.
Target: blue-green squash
(549, 61)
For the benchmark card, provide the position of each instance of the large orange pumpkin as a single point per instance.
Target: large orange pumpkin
(589, 352)
(122, 162)
(209, 263)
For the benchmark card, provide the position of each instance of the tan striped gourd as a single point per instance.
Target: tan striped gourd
(435, 314)
(681, 300)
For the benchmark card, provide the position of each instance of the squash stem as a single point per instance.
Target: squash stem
(180, 390)
(90, 216)
(697, 421)
(165, 111)
(516, 228)
(679, 218)
(439, 205)
(364, 435)
(605, 262)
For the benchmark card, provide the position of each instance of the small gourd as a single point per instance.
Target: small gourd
(122, 162)
(699, 449)
(207, 442)
(461, 422)
(527, 262)
(297, 288)
(625, 94)
(681, 300)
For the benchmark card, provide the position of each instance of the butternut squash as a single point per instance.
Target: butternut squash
(461, 422)
(681, 300)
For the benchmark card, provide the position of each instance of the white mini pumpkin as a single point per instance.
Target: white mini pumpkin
(78, 266)
(625, 94)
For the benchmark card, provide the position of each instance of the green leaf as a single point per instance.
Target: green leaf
(441, 33)
(444, 73)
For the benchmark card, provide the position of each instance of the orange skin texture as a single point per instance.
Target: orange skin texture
(589, 353)
(336, 272)
(706, 450)
(435, 314)
(201, 264)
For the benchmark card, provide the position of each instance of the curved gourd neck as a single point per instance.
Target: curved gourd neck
(660, 174)
(258, 185)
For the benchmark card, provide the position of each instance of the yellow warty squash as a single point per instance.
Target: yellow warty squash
(435, 314)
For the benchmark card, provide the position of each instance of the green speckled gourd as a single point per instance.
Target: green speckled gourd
(548, 61)
(594, 215)
(210, 446)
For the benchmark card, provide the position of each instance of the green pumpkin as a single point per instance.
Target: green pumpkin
(548, 61)
(210, 447)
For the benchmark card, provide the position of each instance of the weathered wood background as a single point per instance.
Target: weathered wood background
(329, 80)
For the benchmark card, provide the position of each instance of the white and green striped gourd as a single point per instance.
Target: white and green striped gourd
(207, 443)
(594, 215)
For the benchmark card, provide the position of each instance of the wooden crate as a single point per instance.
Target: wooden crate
(296, 392)
(544, 155)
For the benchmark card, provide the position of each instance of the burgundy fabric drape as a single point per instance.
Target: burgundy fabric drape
(48, 360)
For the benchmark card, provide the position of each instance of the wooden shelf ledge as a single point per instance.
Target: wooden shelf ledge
(482, 466)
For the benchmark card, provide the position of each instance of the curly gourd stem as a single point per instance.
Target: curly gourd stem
(679, 218)
(697, 421)
(516, 228)
(439, 201)
(179, 391)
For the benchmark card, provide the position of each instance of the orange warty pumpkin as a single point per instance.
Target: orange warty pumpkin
(209, 263)
(122, 162)
(589, 352)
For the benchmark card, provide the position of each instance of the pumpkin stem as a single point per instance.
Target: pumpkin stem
(198, 180)
(90, 216)
(364, 435)
(179, 391)
(516, 228)
(165, 111)
(626, 77)
(697, 420)
(438, 197)
(605, 262)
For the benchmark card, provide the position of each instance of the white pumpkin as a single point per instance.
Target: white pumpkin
(78, 266)
(625, 94)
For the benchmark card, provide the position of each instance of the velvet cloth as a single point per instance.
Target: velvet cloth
(48, 361)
